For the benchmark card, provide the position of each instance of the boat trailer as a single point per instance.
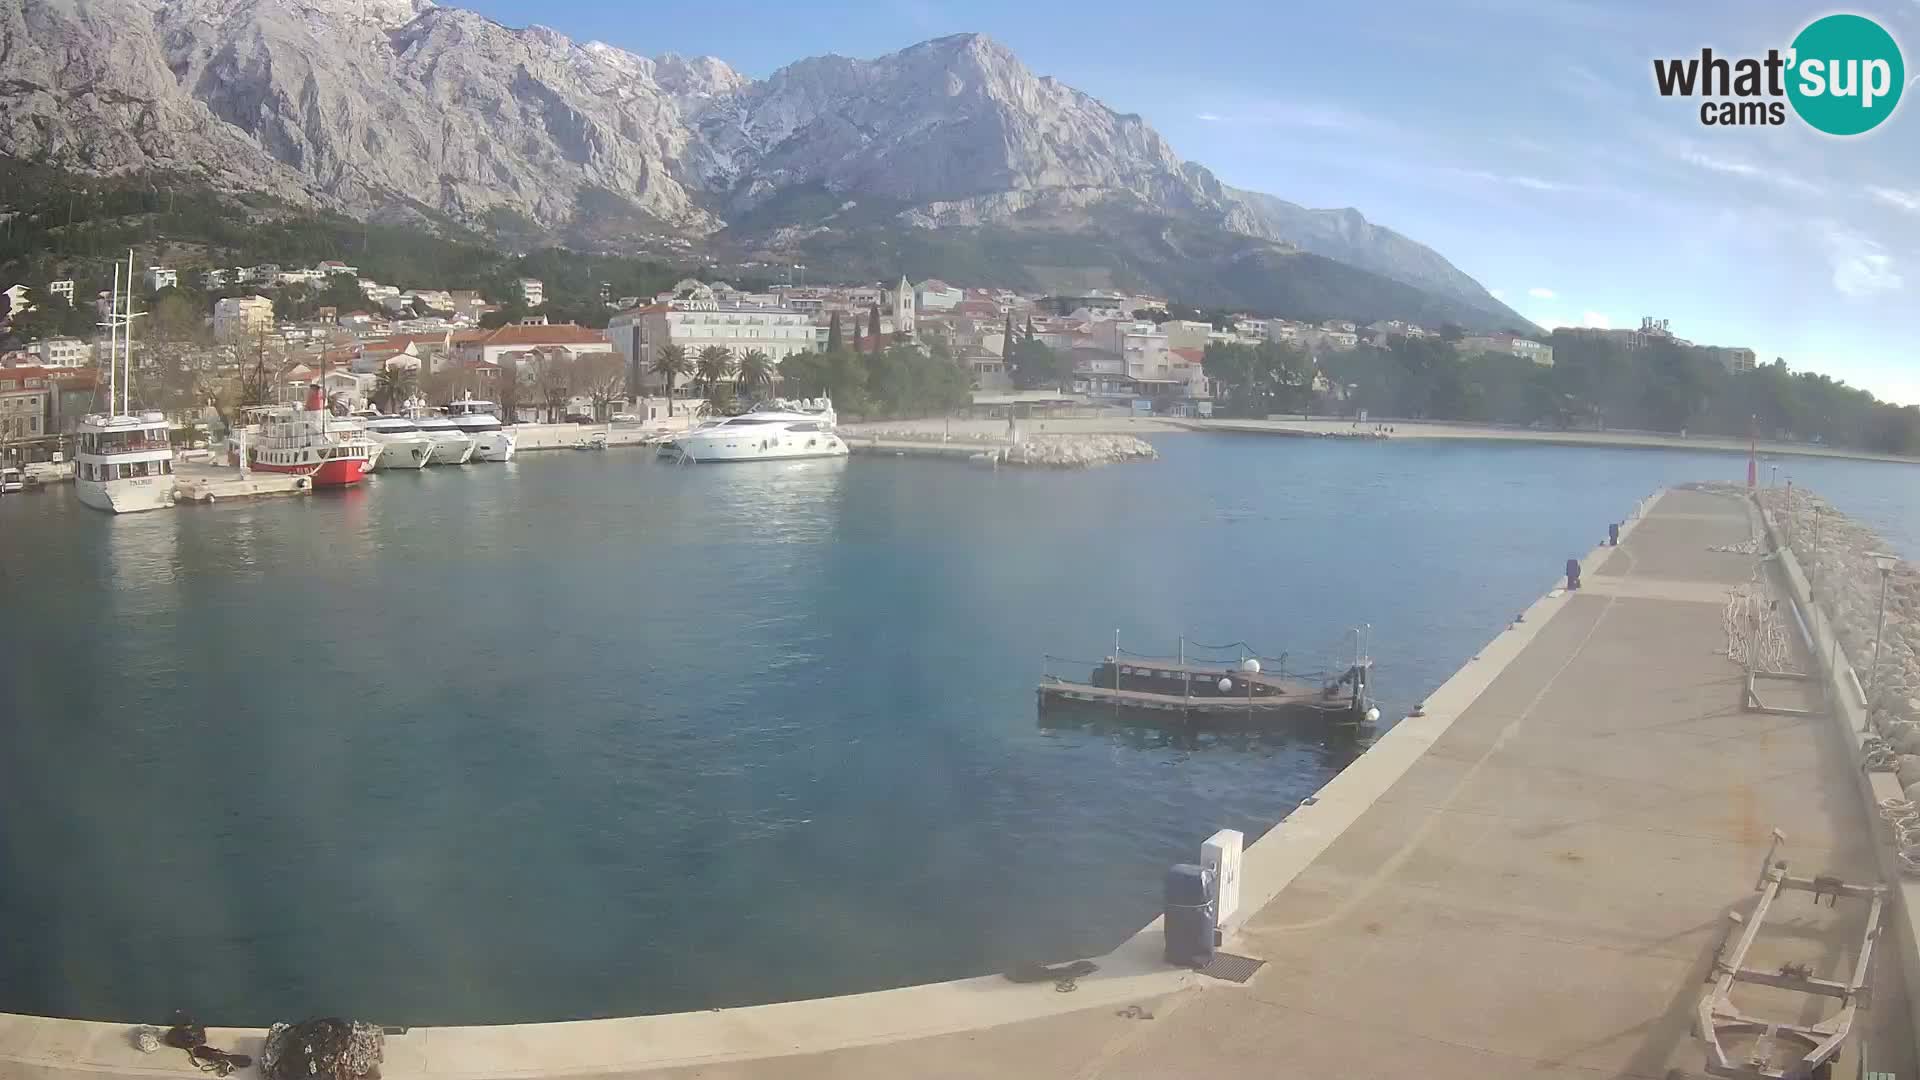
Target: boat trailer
(1719, 1017)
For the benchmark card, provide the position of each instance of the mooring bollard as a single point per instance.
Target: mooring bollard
(1613, 535)
(1573, 574)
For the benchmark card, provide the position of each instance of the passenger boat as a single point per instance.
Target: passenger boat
(298, 439)
(779, 430)
(124, 461)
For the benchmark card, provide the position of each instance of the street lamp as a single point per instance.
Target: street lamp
(1884, 563)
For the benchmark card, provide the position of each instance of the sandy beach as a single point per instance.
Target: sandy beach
(1119, 423)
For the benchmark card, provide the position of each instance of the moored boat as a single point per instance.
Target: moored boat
(124, 461)
(299, 440)
(481, 423)
(780, 430)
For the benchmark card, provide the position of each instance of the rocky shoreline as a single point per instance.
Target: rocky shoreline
(1058, 451)
(1836, 553)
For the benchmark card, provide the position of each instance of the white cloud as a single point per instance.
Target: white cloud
(1540, 293)
(1211, 118)
(1596, 320)
(1532, 183)
(1746, 170)
(1861, 267)
(1905, 200)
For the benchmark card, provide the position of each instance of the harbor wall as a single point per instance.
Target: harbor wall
(1132, 973)
(1847, 705)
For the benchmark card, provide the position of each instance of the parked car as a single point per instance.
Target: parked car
(625, 418)
(580, 418)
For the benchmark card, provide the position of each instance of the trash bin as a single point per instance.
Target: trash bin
(1189, 921)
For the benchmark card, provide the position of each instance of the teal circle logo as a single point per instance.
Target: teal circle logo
(1846, 74)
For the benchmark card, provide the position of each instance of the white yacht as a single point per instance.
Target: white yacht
(491, 442)
(124, 461)
(776, 431)
(451, 446)
(402, 444)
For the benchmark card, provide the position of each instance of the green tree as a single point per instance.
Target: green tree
(873, 326)
(715, 365)
(176, 319)
(833, 333)
(393, 386)
(1035, 366)
(671, 364)
(756, 372)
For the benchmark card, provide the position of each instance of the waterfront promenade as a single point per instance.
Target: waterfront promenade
(1530, 879)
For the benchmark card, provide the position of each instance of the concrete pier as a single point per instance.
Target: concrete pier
(1530, 879)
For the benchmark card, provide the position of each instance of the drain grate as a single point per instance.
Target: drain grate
(1232, 968)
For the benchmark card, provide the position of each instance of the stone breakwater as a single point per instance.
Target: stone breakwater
(1039, 451)
(1836, 553)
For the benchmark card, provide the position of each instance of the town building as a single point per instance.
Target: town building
(241, 318)
(936, 295)
(533, 292)
(25, 398)
(903, 309)
(698, 321)
(62, 353)
(1186, 333)
(488, 346)
(159, 277)
(1512, 345)
(1733, 359)
(62, 289)
(17, 302)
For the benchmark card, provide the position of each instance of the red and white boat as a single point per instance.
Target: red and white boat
(296, 439)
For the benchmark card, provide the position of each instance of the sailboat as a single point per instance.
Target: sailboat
(124, 462)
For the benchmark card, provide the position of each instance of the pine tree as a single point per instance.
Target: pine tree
(1006, 341)
(1030, 333)
(833, 333)
(873, 327)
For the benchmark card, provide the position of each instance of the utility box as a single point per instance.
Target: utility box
(1220, 855)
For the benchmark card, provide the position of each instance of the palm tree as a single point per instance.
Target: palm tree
(756, 371)
(714, 366)
(671, 363)
(393, 387)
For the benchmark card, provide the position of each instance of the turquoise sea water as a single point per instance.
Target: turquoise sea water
(584, 735)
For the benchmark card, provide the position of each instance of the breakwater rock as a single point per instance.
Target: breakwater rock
(1837, 555)
(1062, 451)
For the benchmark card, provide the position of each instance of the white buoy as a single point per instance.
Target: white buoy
(1373, 714)
(1250, 665)
(1226, 684)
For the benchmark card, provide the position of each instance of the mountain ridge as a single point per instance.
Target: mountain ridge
(406, 109)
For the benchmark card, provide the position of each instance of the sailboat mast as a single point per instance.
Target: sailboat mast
(113, 340)
(126, 340)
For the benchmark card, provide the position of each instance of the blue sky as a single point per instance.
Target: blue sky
(1520, 138)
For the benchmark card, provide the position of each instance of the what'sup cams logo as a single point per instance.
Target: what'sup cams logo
(1842, 75)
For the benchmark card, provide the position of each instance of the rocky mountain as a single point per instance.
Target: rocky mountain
(403, 109)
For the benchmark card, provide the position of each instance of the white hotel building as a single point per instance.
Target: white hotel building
(698, 321)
